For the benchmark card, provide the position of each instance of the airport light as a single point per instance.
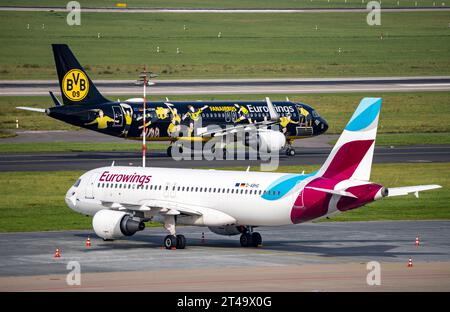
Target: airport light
(144, 78)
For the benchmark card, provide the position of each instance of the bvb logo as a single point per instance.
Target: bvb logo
(75, 85)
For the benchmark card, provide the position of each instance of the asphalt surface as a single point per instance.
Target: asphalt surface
(307, 156)
(231, 10)
(25, 254)
(240, 86)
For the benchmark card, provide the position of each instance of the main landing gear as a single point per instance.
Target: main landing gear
(171, 149)
(173, 241)
(289, 150)
(176, 242)
(251, 239)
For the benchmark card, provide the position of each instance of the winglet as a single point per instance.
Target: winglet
(272, 112)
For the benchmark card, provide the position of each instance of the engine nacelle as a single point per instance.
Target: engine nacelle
(111, 224)
(227, 230)
(267, 140)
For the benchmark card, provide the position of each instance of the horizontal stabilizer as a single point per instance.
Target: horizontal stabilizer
(333, 192)
(55, 99)
(405, 190)
(33, 109)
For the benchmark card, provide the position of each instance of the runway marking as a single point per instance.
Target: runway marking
(220, 11)
(426, 85)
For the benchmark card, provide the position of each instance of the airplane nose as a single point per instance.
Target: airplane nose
(71, 199)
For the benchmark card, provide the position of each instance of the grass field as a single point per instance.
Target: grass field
(26, 207)
(252, 45)
(228, 3)
(125, 146)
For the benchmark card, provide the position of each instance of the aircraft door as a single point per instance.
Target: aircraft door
(118, 116)
(228, 117)
(90, 187)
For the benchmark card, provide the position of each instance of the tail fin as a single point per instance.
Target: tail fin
(76, 86)
(351, 157)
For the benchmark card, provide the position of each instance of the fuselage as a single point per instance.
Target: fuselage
(251, 198)
(165, 121)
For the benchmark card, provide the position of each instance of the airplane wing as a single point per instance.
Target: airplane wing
(405, 190)
(33, 109)
(333, 192)
(167, 207)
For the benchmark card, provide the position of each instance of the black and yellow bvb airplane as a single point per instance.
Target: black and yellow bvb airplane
(178, 122)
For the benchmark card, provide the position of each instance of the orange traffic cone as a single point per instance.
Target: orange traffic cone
(57, 254)
(88, 242)
(410, 263)
(417, 241)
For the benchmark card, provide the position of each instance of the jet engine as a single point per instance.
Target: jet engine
(110, 224)
(227, 230)
(268, 140)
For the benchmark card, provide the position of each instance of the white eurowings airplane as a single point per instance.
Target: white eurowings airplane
(121, 199)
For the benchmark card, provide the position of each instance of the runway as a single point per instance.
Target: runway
(309, 156)
(215, 11)
(240, 86)
(311, 257)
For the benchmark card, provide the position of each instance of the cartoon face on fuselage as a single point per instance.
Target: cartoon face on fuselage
(298, 120)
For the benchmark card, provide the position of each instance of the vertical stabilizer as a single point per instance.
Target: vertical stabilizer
(351, 157)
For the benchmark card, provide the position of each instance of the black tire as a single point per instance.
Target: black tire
(290, 152)
(170, 241)
(169, 151)
(181, 242)
(257, 239)
(246, 240)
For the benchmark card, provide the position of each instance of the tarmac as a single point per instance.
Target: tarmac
(155, 158)
(239, 86)
(309, 257)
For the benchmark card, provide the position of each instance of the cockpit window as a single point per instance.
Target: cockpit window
(77, 183)
(314, 113)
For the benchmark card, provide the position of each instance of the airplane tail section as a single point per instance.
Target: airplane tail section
(351, 157)
(76, 86)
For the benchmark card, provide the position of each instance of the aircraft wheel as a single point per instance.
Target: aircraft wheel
(170, 241)
(181, 242)
(290, 152)
(246, 240)
(256, 239)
